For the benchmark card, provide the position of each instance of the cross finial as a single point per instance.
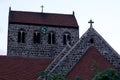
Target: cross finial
(91, 22)
(42, 8)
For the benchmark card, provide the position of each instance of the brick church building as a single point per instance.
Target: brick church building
(50, 42)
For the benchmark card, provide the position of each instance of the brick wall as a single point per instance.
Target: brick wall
(84, 68)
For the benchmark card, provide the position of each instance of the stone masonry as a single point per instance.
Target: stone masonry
(42, 49)
(75, 53)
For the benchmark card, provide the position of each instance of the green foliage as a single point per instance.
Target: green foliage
(51, 76)
(44, 74)
(95, 70)
(108, 74)
(78, 78)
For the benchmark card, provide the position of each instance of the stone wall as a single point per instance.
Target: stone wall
(90, 39)
(42, 49)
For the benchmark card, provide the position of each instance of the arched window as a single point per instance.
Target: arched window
(36, 37)
(51, 38)
(21, 36)
(66, 38)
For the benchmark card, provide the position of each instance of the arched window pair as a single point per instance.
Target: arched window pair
(51, 38)
(21, 36)
(66, 38)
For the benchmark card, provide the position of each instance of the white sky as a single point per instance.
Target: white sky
(104, 13)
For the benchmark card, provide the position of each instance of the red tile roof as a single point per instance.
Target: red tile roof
(51, 19)
(84, 68)
(19, 68)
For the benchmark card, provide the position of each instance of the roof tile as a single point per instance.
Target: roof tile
(43, 18)
(19, 68)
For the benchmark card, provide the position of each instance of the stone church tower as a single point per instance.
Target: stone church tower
(33, 34)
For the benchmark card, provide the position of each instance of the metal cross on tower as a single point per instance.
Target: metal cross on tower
(42, 8)
(91, 22)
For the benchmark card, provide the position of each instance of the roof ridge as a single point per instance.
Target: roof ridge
(42, 12)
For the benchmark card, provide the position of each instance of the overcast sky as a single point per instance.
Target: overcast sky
(104, 13)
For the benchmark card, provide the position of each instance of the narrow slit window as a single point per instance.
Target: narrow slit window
(21, 36)
(36, 37)
(66, 38)
(51, 38)
(91, 40)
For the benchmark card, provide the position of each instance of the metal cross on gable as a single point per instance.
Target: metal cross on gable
(91, 22)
